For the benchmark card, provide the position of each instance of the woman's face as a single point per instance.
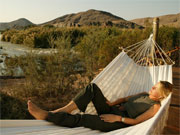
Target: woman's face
(154, 93)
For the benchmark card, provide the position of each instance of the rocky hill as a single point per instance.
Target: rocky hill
(167, 20)
(92, 18)
(17, 24)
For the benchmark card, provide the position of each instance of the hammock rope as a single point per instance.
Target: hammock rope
(141, 53)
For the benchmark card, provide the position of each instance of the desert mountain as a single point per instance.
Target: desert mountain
(167, 20)
(18, 24)
(92, 17)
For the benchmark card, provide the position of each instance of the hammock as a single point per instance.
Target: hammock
(129, 75)
(133, 71)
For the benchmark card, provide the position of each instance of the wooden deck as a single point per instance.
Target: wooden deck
(173, 124)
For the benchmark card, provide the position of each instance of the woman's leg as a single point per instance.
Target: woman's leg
(68, 120)
(77, 120)
(68, 108)
(94, 122)
(92, 93)
(86, 120)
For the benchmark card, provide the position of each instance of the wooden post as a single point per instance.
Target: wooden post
(155, 28)
(155, 33)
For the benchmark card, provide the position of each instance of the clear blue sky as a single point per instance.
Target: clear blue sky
(40, 11)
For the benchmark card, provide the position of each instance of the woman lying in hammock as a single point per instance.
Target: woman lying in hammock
(119, 114)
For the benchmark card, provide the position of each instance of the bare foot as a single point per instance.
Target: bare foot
(37, 112)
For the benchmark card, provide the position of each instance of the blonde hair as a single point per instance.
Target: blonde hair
(166, 89)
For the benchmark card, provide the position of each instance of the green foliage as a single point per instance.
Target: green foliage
(39, 37)
(168, 37)
(48, 26)
(18, 38)
(6, 36)
(74, 35)
(96, 46)
(47, 75)
(108, 50)
(88, 48)
(41, 40)
(12, 108)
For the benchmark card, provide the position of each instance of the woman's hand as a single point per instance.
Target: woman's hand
(110, 118)
(109, 103)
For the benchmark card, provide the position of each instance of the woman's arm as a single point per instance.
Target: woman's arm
(126, 99)
(143, 117)
(121, 100)
(116, 102)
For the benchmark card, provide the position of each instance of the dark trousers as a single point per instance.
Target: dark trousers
(94, 94)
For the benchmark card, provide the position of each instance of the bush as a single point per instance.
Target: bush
(6, 36)
(41, 40)
(12, 108)
(17, 38)
(47, 75)
(168, 38)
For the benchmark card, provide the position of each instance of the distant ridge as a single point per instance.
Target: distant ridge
(17, 24)
(166, 20)
(91, 18)
(95, 18)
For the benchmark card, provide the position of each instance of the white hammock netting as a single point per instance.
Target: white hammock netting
(138, 72)
(133, 71)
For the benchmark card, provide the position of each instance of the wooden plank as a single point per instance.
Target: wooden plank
(173, 123)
